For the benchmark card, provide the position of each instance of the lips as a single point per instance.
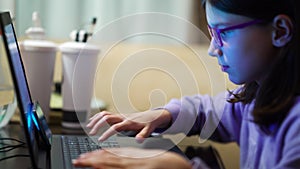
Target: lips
(224, 67)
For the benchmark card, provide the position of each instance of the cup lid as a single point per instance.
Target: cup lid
(76, 47)
(38, 45)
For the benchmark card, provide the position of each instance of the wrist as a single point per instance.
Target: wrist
(165, 118)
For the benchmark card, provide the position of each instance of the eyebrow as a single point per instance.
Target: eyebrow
(214, 25)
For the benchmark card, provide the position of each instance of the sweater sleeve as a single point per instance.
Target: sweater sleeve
(210, 117)
(288, 141)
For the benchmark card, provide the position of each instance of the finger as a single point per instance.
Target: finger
(97, 164)
(107, 119)
(108, 133)
(97, 126)
(86, 159)
(98, 159)
(102, 113)
(113, 130)
(82, 162)
(96, 117)
(144, 133)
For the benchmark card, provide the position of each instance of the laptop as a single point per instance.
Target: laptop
(55, 151)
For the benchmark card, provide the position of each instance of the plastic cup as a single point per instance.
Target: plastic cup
(79, 61)
(39, 58)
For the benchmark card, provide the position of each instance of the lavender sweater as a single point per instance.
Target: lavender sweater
(216, 119)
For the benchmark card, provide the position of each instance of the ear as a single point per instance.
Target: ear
(282, 32)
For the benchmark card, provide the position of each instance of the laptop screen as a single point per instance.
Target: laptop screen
(17, 66)
(20, 83)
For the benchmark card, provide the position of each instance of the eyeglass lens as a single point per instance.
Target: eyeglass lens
(215, 35)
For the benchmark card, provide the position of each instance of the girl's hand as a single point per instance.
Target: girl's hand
(133, 158)
(144, 123)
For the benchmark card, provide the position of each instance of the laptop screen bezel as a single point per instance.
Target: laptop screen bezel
(25, 112)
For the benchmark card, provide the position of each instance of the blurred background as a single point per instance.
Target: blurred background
(63, 16)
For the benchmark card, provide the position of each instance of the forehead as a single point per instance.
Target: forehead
(216, 17)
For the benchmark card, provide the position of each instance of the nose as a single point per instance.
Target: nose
(214, 50)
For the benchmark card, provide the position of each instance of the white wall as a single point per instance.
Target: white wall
(6, 5)
(60, 17)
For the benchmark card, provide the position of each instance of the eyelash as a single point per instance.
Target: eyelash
(225, 33)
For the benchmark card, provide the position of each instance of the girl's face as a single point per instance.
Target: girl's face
(246, 54)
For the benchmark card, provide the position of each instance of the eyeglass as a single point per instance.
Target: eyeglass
(216, 33)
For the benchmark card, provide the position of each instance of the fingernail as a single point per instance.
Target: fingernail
(139, 139)
(82, 155)
(100, 139)
(88, 125)
(91, 118)
(91, 132)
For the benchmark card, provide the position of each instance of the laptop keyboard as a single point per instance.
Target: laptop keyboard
(73, 146)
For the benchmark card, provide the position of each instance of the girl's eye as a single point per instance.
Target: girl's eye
(225, 34)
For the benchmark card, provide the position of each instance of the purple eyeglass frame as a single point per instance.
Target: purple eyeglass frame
(216, 33)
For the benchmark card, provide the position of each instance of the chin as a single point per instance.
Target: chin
(236, 81)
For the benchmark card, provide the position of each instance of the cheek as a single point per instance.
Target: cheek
(244, 64)
(249, 65)
(260, 54)
(249, 56)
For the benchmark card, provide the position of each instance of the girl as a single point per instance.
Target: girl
(257, 43)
